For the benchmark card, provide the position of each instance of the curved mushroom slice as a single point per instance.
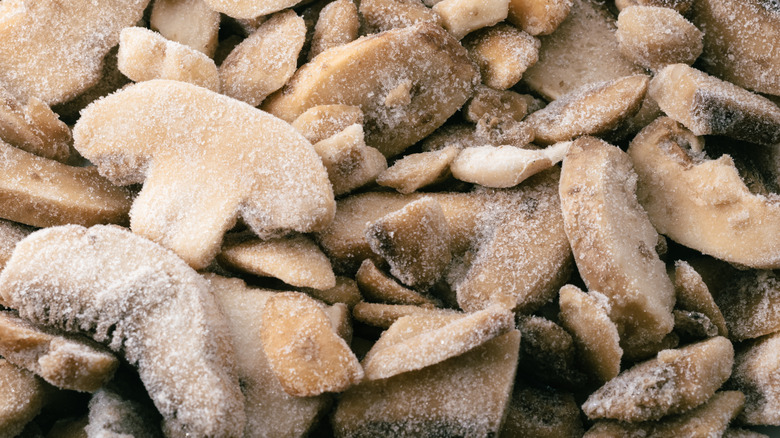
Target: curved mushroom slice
(681, 6)
(382, 15)
(378, 286)
(460, 17)
(384, 315)
(66, 362)
(296, 260)
(145, 55)
(54, 50)
(756, 366)
(22, 395)
(538, 17)
(693, 325)
(337, 24)
(654, 37)
(505, 166)
(542, 413)
(203, 169)
(693, 295)
(491, 107)
(303, 349)
(110, 414)
(265, 61)
(349, 162)
(41, 192)
(11, 233)
(424, 59)
(703, 204)
(345, 291)
(739, 38)
(548, 353)
(614, 242)
(418, 341)
(188, 22)
(33, 127)
(503, 53)
(324, 121)
(246, 9)
(415, 171)
(593, 109)
(708, 105)
(674, 382)
(139, 299)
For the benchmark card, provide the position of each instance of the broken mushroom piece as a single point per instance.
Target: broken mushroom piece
(505, 166)
(203, 169)
(415, 171)
(323, 121)
(693, 295)
(703, 204)
(756, 366)
(541, 413)
(34, 128)
(503, 53)
(11, 233)
(460, 17)
(538, 17)
(492, 107)
(141, 300)
(111, 414)
(549, 354)
(345, 291)
(384, 315)
(382, 15)
(681, 6)
(337, 24)
(249, 9)
(188, 22)
(22, 395)
(378, 286)
(349, 162)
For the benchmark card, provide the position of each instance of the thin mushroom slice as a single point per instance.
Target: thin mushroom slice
(382, 15)
(345, 291)
(203, 169)
(378, 286)
(538, 17)
(324, 121)
(415, 171)
(189, 22)
(337, 24)
(426, 72)
(549, 354)
(542, 413)
(491, 107)
(111, 414)
(385, 315)
(349, 162)
(693, 294)
(503, 53)
(460, 17)
(139, 299)
(34, 127)
(693, 325)
(614, 242)
(703, 204)
(54, 50)
(249, 9)
(11, 233)
(755, 373)
(505, 166)
(681, 6)
(22, 395)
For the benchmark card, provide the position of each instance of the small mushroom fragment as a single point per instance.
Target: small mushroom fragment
(41, 192)
(703, 204)
(593, 109)
(296, 260)
(708, 105)
(34, 128)
(739, 38)
(460, 17)
(542, 413)
(693, 325)
(378, 286)
(249, 9)
(264, 61)
(303, 349)
(188, 22)
(418, 341)
(22, 395)
(415, 171)
(382, 15)
(503, 53)
(505, 166)
(384, 315)
(203, 169)
(349, 162)
(693, 295)
(363, 72)
(548, 353)
(415, 241)
(112, 415)
(586, 317)
(466, 395)
(499, 130)
(708, 420)
(323, 121)
(654, 37)
(676, 381)
(583, 50)
(11, 233)
(54, 50)
(681, 6)
(145, 55)
(756, 367)
(538, 17)
(491, 106)
(614, 242)
(142, 300)
(345, 291)
(66, 362)
(337, 25)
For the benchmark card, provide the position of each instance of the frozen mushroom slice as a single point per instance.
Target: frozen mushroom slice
(323, 121)
(349, 162)
(384, 315)
(593, 109)
(735, 432)
(202, 170)
(693, 325)
(112, 415)
(303, 349)
(693, 294)
(681, 6)
(296, 260)
(461, 17)
(338, 24)
(538, 17)
(382, 15)
(22, 395)
(54, 50)
(41, 192)
(614, 242)
(548, 353)
(491, 107)
(503, 53)
(378, 286)
(34, 127)
(674, 382)
(542, 413)
(415, 171)
(654, 37)
(11, 233)
(249, 9)
(505, 166)
(188, 22)
(67, 362)
(700, 203)
(423, 59)
(345, 291)
(265, 60)
(756, 367)
(138, 298)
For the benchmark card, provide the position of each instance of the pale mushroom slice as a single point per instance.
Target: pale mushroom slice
(738, 42)
(674, 382)
(33, 127)
(491, 106)
(303, 350)
(581, 51)
(539, 17)
(270, 411)
(654, 37)
(338, 24)
(415, 241)
(384, 315)
(65, 361)
(415, 171)
(349, 162)
(202, 169)
(113, 415)
(22, 395)
(709, 106)
(323, 121)
(418, 341)
(466, 395)
(593, 109)
(188, 22)
(461, 17)
(693, 294)
(41, 192)
(505, 166)
(541, 413)
(378, 286)
(681, 6)
(145, 55)
(423, 59)
(703, 204)
(54, 50)
(249, 9)
(614, 242)
(693, 325)
(708, 420)
(503, 53)
(586, 317)
(140, 300)
(264, 61)
(11, 233)
(345, 291)
(296, 260)
(382, 15)
(756, 366)
(549, 354)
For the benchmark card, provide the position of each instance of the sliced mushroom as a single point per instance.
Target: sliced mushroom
(189, 22)
(755, 373)
(323, 121)
(542, 413)
(110, 413)
(415, 171)
(491, 107)
(681, 6)
(337, 25)
(22, 394)
(504, 166)
(384, 315)
(349, 162)
(460, 17)
(654, 37)
(345, 291)
(11, 233)
(382, 15)
(539, 17)
(549, 354)
(33, 127)
(503, 54)
(693, 295)
(249, 9)
(378, 286)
